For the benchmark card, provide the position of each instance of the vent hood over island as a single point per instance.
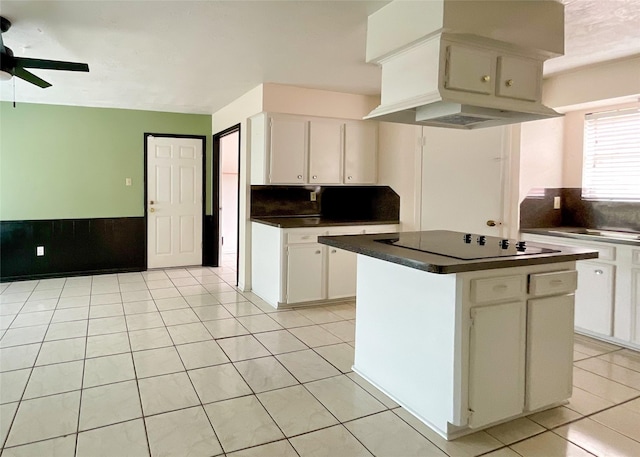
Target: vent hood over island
(464, 63)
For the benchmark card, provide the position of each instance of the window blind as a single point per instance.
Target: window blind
(611, 167)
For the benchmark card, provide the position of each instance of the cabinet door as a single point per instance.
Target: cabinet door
(594, 297)
(549, 350)
(519, 78)
(305, 273)
(361, 153)
(470, 69)
(325, 151)
(341, 281)
(288, 149)
(635, 300)
(496, 362)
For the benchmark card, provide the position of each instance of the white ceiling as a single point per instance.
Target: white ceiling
(197, 56)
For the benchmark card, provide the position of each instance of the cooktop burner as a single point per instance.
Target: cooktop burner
(463, 246)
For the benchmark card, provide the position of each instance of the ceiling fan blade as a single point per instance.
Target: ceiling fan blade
(25, 62)
(30, 77)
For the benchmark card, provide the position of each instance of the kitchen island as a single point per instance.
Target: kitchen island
(474, 335)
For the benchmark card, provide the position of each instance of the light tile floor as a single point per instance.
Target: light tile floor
(177, 362)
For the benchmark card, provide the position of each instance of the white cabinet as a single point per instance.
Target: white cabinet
(289, 149)
(289, 266)
(496, 347)
(594, 297)
(484, 71)
(305, 272)
(607, 298)
(360, 152)
(341, 281)
(549, 350)
(288, 136)
(325, 151)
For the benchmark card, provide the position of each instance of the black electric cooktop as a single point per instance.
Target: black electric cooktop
(463, 246)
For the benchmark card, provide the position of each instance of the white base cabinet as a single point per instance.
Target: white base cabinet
(608, 294)
(289, 267)
(466, 351)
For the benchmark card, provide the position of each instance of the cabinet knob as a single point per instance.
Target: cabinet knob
(315, 177)
(508, 82)
(599, 272)
(318, 251)
(299, 176)
(349, 177)
(486, 78)
(333, 251)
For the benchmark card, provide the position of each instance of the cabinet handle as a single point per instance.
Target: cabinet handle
(318, 251)
(508, 82)
(499, 288)
(599, 272)
(315, 177)
(486, 78)
(349, 177)
(556, 282)
(333, 251)
(299, 176)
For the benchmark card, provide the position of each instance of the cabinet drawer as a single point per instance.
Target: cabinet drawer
(635, 257)
(555, 283)
(497, 289)
(297, 238)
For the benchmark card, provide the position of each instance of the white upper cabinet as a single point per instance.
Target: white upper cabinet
(325, 151)
(489, 72)
(289, 138)
(360, 152)
(289, 149)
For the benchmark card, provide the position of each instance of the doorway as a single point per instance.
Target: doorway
(174, 199)
(226, 190)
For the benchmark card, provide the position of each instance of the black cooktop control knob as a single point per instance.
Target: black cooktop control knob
(467, 238)
(504, 244)
(521, 246)
(482, 240)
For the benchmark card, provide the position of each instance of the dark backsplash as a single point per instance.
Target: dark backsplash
(375, 203)
(538, 212)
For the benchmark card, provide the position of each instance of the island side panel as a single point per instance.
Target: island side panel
(405, 336)
(266, 260)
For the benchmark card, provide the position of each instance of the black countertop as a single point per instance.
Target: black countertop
(433, 263)
(315, 221)
(580, 233)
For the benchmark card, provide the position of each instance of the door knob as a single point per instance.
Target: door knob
(152, 210)
(492, 223)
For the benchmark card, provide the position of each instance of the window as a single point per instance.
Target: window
(611, 168)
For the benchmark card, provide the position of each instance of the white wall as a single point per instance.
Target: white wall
(229, 192)
(312, 102)
(234, 113)
(399, 153)
(541, 155)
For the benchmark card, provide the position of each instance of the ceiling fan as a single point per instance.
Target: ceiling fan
(15, 66)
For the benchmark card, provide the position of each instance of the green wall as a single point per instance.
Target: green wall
(63, 162)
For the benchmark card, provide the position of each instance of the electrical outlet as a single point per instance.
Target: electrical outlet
(314, 196)
(40, 251)
(556, 202)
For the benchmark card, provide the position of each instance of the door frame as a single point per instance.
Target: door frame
(203, 138)
(215, 196)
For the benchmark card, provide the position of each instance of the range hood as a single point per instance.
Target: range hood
(464, 64)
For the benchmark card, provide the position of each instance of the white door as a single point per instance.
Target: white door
(288, 150)
(325, 151)
(360, 152)
(174, 206)
(496, 362)
(464, 180)
(305, 278)
(594, 297)
(342, 273)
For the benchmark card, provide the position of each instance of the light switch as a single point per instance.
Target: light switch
(40, 251)
(556, 202)
(127, 181)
